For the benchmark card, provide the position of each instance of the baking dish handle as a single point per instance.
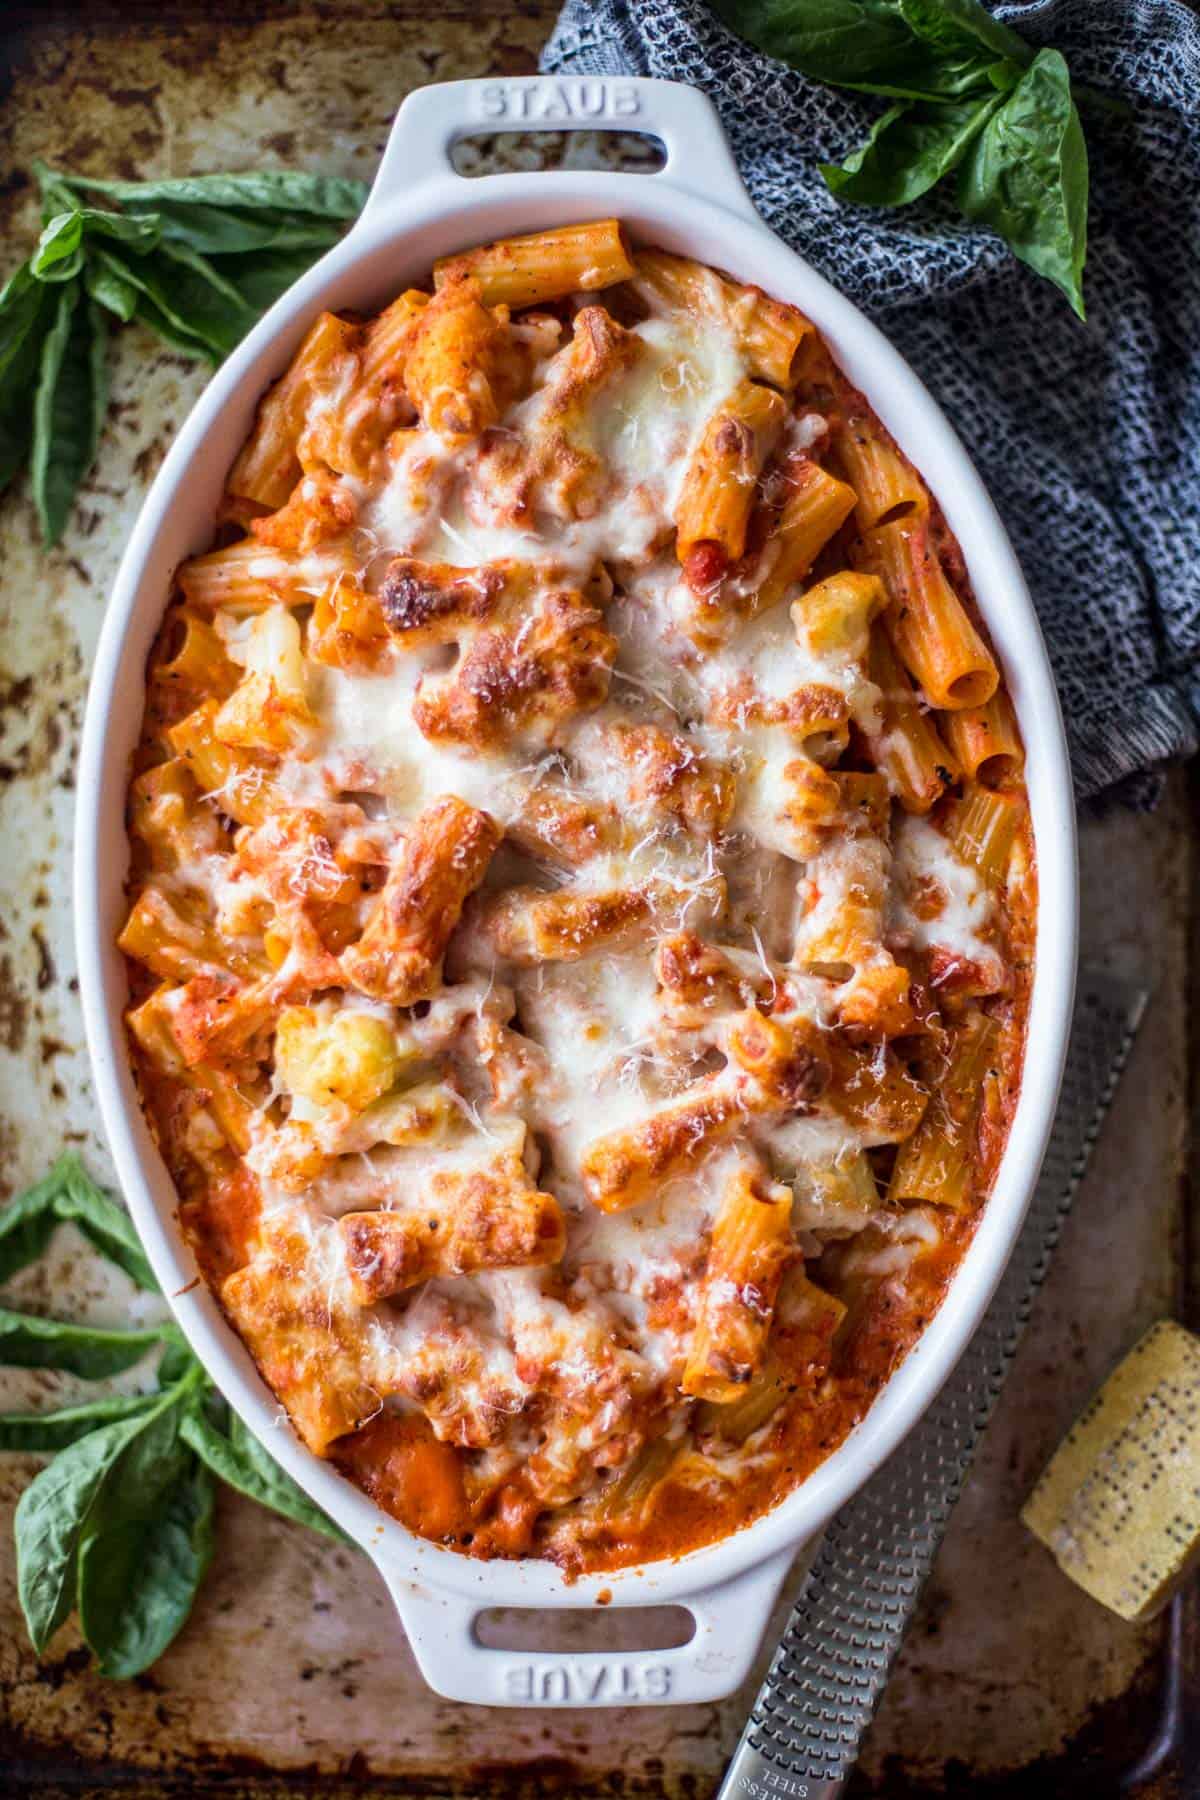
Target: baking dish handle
(729, 1620)
(432, 120)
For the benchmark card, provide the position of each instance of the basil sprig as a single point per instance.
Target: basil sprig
(970, 98)
(69, 1196)
(198, 260)
(119, 1526)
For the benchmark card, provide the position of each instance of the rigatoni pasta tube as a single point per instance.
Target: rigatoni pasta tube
(907, 748)
(461, 367)
(243, 577)
(626, 1166)
(268, 468)
(233, 1115)
(873, 1091)
(807, 1321)
(811, 802)
(313, 1361)
(833, 617)
(935, 1163)
(348, 426)
(389, 338)
(865, 800)
(722, 477)
(501, 1222)
(981, 830)
(986, 741)
(844, 893)
(237, 778)
(196, 657)
(629, 1495)
(163, 936)
(347, 628)
(785, 1056)
(771, 335)
(545, 265)
(886, 483)
(836, 1195)
(737, 1419)
(528, 925)
(440, 861)
(816, 506)
(751, 1246)
(163, 813)
(930, 628)
(840, 934)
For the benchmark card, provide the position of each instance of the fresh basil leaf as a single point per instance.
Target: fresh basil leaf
(56, 199)
(860, 44)
(24, 308)
(220, 231)
(199, 298)
(66, 424)
(138, 1580)
(209, 272)
(58, 255)
(966, 25)
(98, 370)
(164, 327)
(153, 1460)
(176, 1361)
(150, 312)
(50, 1520)
(103, 1222)
(261, 279)
(47, 1433)
(27, 1224)
(273, 190)
(241, 1462)
(212, 302)
(30, 1342)
(55, 190)
(165, 289)
(136, 232)
(21, 299)
(69, 1194)
(110, 290)
(909, 150)
(61, 244)
(1027, 176)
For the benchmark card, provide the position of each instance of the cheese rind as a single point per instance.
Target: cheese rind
(1118, 1505)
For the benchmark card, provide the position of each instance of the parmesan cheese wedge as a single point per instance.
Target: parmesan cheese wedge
(1118, 1505)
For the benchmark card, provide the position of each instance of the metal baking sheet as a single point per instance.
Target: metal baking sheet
(293, 1676)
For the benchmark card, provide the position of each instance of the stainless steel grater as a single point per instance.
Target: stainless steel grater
(829, 1672)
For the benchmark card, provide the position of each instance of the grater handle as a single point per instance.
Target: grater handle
(751, 1777)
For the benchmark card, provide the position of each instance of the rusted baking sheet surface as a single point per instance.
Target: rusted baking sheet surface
(293, 1675)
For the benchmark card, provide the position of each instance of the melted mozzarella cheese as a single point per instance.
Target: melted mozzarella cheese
(595, 1020)
(372, 743)
(925, 863)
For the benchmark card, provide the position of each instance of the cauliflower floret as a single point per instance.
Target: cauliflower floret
(349, 1059)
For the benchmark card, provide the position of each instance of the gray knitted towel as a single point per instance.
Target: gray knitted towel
(1088, 436)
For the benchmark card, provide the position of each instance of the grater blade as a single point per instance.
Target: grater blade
(830, 1669)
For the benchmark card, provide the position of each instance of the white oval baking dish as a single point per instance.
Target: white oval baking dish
(420, 209)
